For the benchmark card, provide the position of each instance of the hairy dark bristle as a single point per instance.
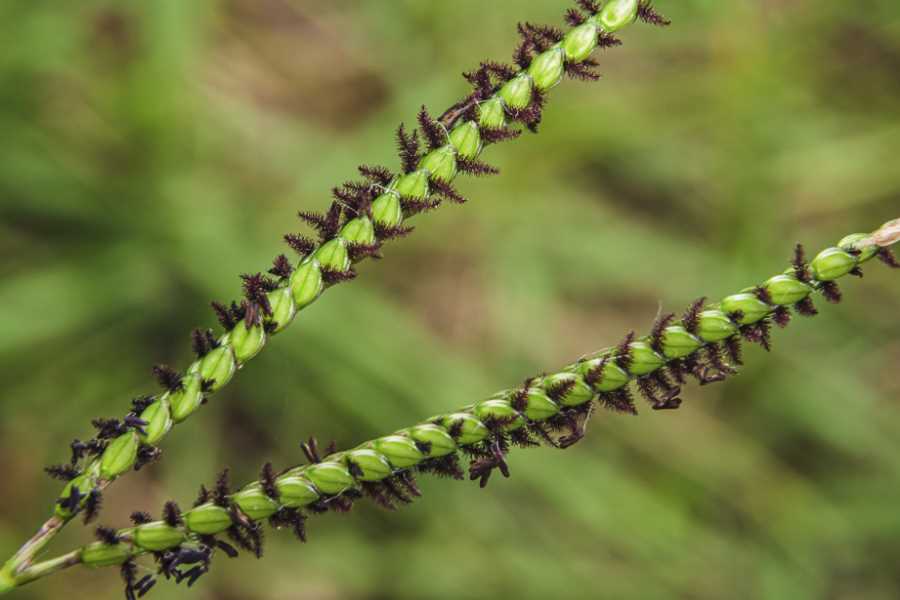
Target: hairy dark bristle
(691, 318)
(408, 149)
(801, 270)
(475, 167)
(595, 375)
(281, 267)
(92, 505)
(447, 191)
(358, 251)
(806, 308)
(333, 276)
(589, 6)
(831, 291)
(172, 514)
(140, 518)
(648, 14)
(763, 294)
(624, 356)
(782, 316)
(300, 244)
(107, 535)
(326, 224)
(267, 481)
(574, 17)
(759, 333)
(733, 348)
(376, 174)
(62, 472)
(619, 400)
(583, 71)
(385, 233)
(659, 328)
(495, 135)
(223, 315)
(222, 490)
(167, 377)
(608, 40)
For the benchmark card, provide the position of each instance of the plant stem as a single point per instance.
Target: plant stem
(549, 408)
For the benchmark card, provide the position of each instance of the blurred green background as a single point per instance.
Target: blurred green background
(152, 151)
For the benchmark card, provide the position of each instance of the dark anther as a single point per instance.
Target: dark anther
(311, 450)
(134, 422)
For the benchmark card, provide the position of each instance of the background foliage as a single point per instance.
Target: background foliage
(152, 151)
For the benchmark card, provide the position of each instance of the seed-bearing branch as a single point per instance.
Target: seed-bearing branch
(704, 344)
(364, 215)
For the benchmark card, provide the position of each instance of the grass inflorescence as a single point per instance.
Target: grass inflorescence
(704, 344)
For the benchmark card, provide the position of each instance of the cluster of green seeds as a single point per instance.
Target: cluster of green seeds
(543, 406)
(270, 311)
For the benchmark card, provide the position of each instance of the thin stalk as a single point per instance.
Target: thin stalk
(364, 215)
(704, 344)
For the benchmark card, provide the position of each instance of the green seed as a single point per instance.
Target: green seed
(546, 69)
(158, 419)
(517, 92)
(217, 367)
(400, 451)
(786, 290)
(254, 503)
(386, 210)
(333, 255)
(644, 359)
(577, 395)
(440, 163)
(156, 537)
(306, 283)
(618, 14)
(295, 492)
(98, 555)
(491, 113)
(330, 477)
(207, 519)
(751, 308)
(499, 410)
(440, 442)
(831, 264)
(373, 466)
(120, 455)
(580, 42)
(539, 406)
(466, 138)
(188, 399)
(715, 326)
(471, 430)
(866, 252)
(359, 231)
(246, 341)
(414, 185)
(612, 376)
(678, 342)
(283, 308)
